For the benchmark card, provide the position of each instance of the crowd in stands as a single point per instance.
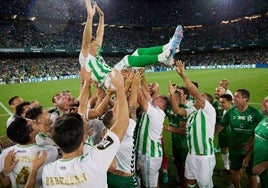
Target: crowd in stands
(141, 12)
(61, 29)
(25, 69)
(25, 34)
(58, 23)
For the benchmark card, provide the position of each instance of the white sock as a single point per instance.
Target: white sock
(135, 53)
(163, 56)
(122, 64)
(225, 158)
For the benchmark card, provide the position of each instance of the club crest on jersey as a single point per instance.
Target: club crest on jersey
(105, 143)
(250, 118)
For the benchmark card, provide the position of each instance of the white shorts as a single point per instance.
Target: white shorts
(149, 169)
(200, 168)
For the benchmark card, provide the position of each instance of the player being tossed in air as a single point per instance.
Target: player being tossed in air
(89, 55)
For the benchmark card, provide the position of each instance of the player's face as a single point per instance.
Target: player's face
(66, 102)
(218, 92)
(153, 89)
(94, 48)
(16, 102)
(223, 84)
(239, 100)
(224, 104)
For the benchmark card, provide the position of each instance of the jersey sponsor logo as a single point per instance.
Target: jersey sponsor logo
(105, 143)
(241, 117)
(66, 180)
(63, 167)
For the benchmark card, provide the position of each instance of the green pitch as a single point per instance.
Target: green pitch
(255, 80)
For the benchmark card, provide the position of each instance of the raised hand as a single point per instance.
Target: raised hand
(117, 79)
(100, 12)
(90, 9)
(172, 88)
(180, 67)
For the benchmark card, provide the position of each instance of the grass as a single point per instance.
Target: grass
(255, 80)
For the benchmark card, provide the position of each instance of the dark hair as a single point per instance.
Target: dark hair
(209, 98)
(245, 93)
(68, 132)
(33, 113)
(108, 119)
(185, 91)
(195, 83)
(166, 102)
(20, 108)
(228, 97)
(11, 100)
(19, 131)
(53, 98)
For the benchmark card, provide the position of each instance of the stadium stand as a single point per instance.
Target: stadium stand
(221, 32)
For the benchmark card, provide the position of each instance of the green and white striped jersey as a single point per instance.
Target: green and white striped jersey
(150, 132)
(200, 129)
(99, 71)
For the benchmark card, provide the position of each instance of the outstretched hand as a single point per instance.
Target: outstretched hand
(180, 67)
(100, 12)
(117, 79)
(172, 89)
(90, 9)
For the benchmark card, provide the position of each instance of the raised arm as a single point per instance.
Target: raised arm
(200, 101)
(99, 110)
(37, 162)
(122, 119)
(87, 34)
(100, 29)
(174, 103)
(85, 91)
(133, 105)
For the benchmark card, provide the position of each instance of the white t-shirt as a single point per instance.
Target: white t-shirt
(42, 139)
(88, 170)
(125, 157)
(10, 119)
(25, 154)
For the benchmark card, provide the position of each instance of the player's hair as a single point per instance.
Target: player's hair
(245, 93)
(209, 98)
(11, 100)
(53, 97)
(19, 131)
(185, 91)
(68, 132)
(195, 83)
(20, 108)
(108, 119)
(166, 101)
(228, 97)
(33, 113)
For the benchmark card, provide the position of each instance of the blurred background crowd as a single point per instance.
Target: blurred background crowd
(215, 32)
